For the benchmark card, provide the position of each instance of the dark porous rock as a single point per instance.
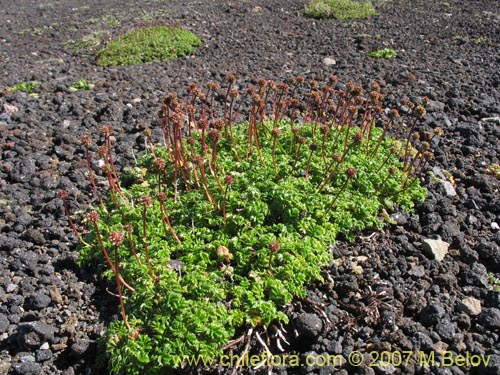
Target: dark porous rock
(27, 367)
(421, 341)
(308, 325)
(490, 253)
(37, 301)
(490, 318)
(449, 230)
(4, 323)
(476, 276)
(432, 313)
(43, 355)
(493, 367)
(492, 299)
(32, 335)
(446, 330)
(79, 347)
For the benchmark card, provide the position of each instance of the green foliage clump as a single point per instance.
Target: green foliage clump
(340, 9)
(228, 220)
(385, 53)
(148, 45)
(27, 87)
(81, 84)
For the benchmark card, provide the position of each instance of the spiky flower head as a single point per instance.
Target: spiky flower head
(282, 87)
(274, 246)
(214, 86)
(233, 94)
(86, 140)
(358, 137)
(93, 217)
(428, 155)
(276, 132)
(102, 150)
(107, 130)
(62, 194)
(162, 197)
(324, 129)
(350, 172)
(219, 124)
(224, 253)
(146, 201)
(214, 135)
(116, 237)
(229, 180)
(159, 164)
(231, 78)
(375, 86)
(420, 111)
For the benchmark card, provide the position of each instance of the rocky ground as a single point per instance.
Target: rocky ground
(52, 311)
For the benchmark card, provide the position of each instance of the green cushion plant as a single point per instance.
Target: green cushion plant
(148, 45)
(385, 53)
(340, 9)
(224, 224)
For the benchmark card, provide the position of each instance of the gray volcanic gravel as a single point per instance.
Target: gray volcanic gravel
(52, 311)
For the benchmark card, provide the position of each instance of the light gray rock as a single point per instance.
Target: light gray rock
(437, 249)
(470, 306)
(449, 189)
(328, 61)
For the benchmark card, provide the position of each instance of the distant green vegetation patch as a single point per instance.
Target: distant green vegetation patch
(148, 45)
(340, 9)
(385, 53)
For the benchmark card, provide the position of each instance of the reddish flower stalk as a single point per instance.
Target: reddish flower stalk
(165, 218)
(352, 112)
(214, 136)
(301, 141)
(312, 148)
(233, 94)
(204, 183)
(63, 195)
(87, 140)
(160, 165)
(350, 174)
(419, 156)
(392, 171)
(275, 133)
(325, 129)
(387, 125)
(274, 246)
(212, 87)
(231, 79)
(229, 181)
(94, 219)
(165, 132)
(337, 160)
(116, 238)
(128, 228)
(419, 112)
(146, 202)
(107, 131)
